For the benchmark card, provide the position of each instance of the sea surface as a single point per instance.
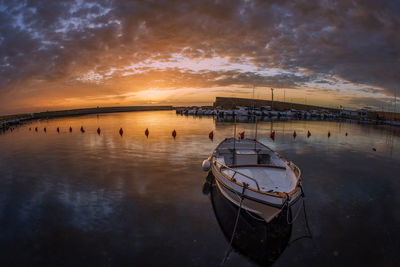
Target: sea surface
(84, 199)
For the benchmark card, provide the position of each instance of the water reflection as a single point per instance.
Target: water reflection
(70, 199)
(262, 243)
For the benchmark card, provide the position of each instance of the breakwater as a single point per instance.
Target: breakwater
(232, 102)
(98, 110)
(11, 120)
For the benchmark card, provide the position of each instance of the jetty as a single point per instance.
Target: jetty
(97, 110)
(13, 120)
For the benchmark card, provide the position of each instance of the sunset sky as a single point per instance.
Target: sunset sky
(72, 54)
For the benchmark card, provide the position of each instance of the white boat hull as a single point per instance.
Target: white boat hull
(266, 212)
(257, 196)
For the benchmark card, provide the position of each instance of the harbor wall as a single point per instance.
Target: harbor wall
(232, 102)
(391, 116)
(98, 110)
(10, 120)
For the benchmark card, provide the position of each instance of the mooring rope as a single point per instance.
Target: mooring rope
(229, 249)
(309, 234)
(249, 213)
(297, 214)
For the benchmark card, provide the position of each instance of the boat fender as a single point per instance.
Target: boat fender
(82, 130)
(70, 129)
(211, 135)
(294, 134)
(308, 134)
(174, 133)
(329, 134)
(98, 131)
(146, 132)
(206, 165)
(206, 188)
(58, 129)
(121, 132)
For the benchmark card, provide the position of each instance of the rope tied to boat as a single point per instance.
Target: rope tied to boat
(309, 234)
(287, 204)
(229, 249)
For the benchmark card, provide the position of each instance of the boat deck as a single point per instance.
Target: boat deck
(268, 179)
(247, 158)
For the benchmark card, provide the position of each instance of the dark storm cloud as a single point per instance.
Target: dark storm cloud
(59, 40)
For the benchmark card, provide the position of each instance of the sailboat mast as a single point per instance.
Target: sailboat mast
(255, 136)
(272, 98)
(234, 141)
(234, 133)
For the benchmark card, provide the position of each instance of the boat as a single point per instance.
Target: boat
(192, 112)
(254, 177)
(241, 111)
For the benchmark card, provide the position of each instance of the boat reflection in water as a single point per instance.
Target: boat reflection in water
(262, 243)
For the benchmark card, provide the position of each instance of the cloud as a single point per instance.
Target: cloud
(56, 43)
(385, 104)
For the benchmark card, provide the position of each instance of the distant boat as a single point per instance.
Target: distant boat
(247, 168)
(200, 112)
(192, 112)
(241, 111)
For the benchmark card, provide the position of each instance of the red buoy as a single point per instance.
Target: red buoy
(329, 134)
(294, 134)
(121, 132)
(211, 135)
(82, 130)
(98, 131)
(70, 129)
(36, 129)
(241, 135)
(58, 130)
(146, 132)
(272, 135)
(308, 134)
(174, 133)
(44, 129)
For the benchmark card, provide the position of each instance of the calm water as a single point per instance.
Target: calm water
(84, 199)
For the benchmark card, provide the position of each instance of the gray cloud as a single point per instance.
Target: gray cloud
(382, 104)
